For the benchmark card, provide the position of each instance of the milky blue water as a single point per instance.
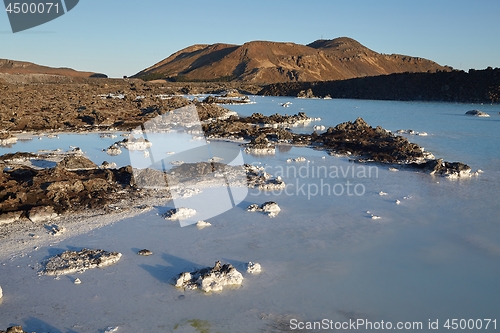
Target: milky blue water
(434, 256)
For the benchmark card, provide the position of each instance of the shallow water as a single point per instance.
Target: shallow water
(433, 256)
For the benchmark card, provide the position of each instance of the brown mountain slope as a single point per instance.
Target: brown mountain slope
(269, 62)
(21, 67)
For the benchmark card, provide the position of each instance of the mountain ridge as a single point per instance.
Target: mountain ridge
(14, 67)
(271, 62)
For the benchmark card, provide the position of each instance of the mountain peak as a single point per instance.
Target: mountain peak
(337, 43)
(271, 62)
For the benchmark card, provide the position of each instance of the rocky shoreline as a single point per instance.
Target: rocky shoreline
(70, 182)
(357, 140)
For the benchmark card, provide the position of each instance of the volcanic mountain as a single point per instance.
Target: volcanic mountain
(21, 67)
(270, 62)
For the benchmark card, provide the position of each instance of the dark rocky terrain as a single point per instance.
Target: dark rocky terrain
(70, 186)
(478, 86)
(268, 62)
(357, 139)
(94, 104)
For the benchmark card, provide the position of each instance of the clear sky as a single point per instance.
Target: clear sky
(122, 37)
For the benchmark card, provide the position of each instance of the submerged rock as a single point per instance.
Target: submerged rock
(145, 252)
(298, 159)
(113, 150)
(260, 146)
(202, 224)
(179, 213)
(411, 132)
(76, 162)
(254, 268)
(446, 169)
(108, 165)
(70, 262)
(270, 207)
(257, 177)
(210, 278)
(477, 113)
(135, 144)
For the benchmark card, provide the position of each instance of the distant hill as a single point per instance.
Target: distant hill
(21, 67)
(269, 62)
(477, 86)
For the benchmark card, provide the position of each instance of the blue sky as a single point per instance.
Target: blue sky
(122, 37)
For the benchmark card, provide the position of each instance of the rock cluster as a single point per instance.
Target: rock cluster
(145, 252)
(360, 139)
(446, 169)
(78, 261)
(357, 139)
(254, 268)
(179, 213)
(74, 184)
(257, 127)
(76, 162)
(210, 278)
(257, 177)
(113, 150)
(134, 143)
(477, 113)
(203, 224)
(271, 208)
(260, 146)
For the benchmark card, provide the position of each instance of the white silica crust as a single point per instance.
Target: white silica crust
(70, 262)
(202, 224)
(179, 213)
(271, 208)
(210, 278)
(254, 268)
